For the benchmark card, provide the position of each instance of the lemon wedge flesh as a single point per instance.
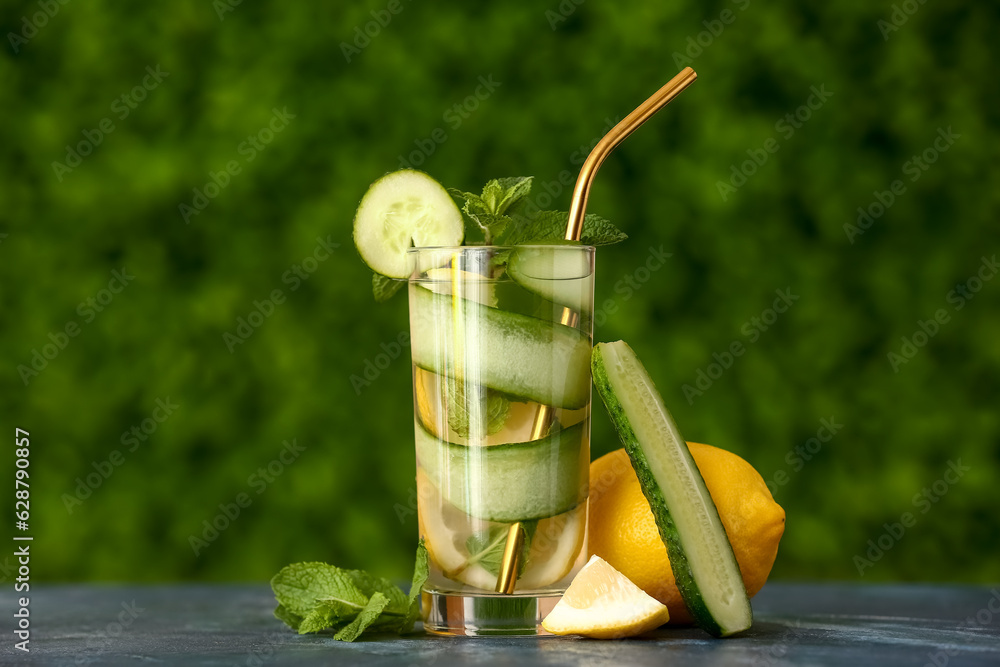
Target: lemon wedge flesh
(602, 603)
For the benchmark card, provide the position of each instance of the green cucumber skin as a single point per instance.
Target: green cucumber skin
(513, 346)
(679, 563)
(551, 473)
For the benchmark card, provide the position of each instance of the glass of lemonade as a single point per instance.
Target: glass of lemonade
(501, 340)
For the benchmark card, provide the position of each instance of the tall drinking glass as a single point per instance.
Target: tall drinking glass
(500, 341)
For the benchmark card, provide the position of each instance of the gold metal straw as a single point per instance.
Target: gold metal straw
(627, 126)
(507, 580)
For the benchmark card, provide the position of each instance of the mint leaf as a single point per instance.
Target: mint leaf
(487, 547)
(472, 201)
(515, 189)
(549, 226)
(421, 570)
(376, 604)
(488, 210)
(370, 585)
(313, 597)
(493, 193)
(300, 588)
(494, 224)
(291, 620)
(384, 287)
(496, 407)
(324, 617)
(475, 209)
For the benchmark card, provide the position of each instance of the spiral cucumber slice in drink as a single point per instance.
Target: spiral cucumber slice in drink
(528, 357)
(519, 481)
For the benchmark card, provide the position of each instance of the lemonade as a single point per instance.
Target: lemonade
(501, 341)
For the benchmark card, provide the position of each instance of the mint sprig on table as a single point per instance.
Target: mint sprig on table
(503, 212)
(315, 597)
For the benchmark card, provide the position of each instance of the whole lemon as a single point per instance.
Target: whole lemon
(623, 532)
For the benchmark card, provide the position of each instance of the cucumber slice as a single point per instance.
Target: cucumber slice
(474, 286)
(403, 209)
(516, 354)
(514, 482)
(560, 273)
(701, 557)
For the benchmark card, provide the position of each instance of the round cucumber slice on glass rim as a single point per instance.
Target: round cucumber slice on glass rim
(401, 210)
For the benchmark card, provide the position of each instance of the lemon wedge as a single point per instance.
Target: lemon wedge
(602, 603)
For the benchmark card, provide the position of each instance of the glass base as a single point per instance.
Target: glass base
(457, 615)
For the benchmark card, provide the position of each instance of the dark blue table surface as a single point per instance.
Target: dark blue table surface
(794, 624)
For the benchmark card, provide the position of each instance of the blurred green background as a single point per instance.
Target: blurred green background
(556, 74)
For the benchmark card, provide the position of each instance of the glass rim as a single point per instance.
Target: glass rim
(463, 248)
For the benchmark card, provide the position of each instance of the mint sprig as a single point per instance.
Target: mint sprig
(489, 209)
(313, 597)
(505, 216)
(487, 547)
